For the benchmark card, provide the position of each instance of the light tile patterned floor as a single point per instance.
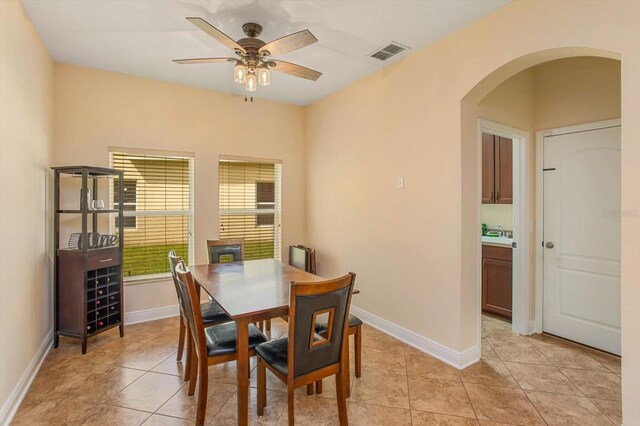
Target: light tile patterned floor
(520, 380)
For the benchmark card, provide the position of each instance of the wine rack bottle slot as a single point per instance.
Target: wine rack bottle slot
(102, 313)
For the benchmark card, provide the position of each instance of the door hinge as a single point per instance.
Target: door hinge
(514, 244)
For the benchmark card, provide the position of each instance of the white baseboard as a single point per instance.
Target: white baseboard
(11, 405)
(150, 314)
(445, 354)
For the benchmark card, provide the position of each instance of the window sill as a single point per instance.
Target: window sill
(147, 279)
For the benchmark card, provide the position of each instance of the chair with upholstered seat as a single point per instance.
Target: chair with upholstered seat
(305, 356)
(304, 258)
(211, 345)
(212, 313)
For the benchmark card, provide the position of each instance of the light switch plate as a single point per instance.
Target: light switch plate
(400, 182)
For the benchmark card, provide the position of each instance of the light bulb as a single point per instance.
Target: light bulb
(240, 73)
(264, 76)
(252, 83)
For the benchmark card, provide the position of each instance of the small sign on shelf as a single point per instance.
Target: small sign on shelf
(95, 241)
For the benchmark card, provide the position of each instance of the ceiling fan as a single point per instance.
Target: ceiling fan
(253, 55)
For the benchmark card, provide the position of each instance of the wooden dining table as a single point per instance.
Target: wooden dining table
(250, 291)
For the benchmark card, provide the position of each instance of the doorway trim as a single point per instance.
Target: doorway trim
(540, 135)
(521, 228)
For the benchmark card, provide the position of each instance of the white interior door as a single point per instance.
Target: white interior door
(582, 237)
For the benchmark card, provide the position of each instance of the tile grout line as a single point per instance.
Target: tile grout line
(406, 370)
(466, 392)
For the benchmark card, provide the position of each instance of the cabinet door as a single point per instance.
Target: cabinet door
(504, 170)
(496, 287)
(488, 169)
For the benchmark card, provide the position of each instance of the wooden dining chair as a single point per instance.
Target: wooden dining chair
(305, 356)
(211, 345)
(304, 258)
(225, 251)
(212, 313)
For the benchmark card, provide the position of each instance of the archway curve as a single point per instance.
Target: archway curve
(470, 186)
(509, 69)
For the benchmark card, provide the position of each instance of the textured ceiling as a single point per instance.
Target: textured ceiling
(141, 37)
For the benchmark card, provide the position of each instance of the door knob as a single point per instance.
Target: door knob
(549, 245)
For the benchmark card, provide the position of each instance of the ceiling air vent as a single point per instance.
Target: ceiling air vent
(389, 51)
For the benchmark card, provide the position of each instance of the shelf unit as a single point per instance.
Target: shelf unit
(88, 282)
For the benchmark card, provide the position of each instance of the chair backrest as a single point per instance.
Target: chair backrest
(302, 257)
(173, 262)
(307, 350)
(224, 251)
(190, 301)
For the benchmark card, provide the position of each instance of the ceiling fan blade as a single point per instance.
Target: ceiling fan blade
(295, 70)
(289, 43)
(203, 60)
(215, 33)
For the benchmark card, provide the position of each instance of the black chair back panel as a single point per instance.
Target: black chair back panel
(224, 254)
(309, 357)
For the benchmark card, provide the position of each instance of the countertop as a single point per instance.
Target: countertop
(497, 241)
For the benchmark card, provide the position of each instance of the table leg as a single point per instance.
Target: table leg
(242, 341)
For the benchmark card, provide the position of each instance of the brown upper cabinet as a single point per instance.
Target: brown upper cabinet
(497, 169)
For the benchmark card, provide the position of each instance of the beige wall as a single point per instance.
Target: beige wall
(497, 214)
(26, 94)
(97, 109)
(575, 91)
(415, 249)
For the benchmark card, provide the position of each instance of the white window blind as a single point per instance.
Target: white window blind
(250, 206)
(161, 208)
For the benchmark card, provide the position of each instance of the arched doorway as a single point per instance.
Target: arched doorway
(471, 164)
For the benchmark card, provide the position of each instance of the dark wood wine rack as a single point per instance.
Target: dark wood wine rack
(89, 287)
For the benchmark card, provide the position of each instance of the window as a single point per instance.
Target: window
(250, 207)
(158, 210)
(129, 201)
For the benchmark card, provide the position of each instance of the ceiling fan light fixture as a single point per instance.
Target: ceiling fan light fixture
(240, 73)
(252, 83)
(264, 75)
(252, 61)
